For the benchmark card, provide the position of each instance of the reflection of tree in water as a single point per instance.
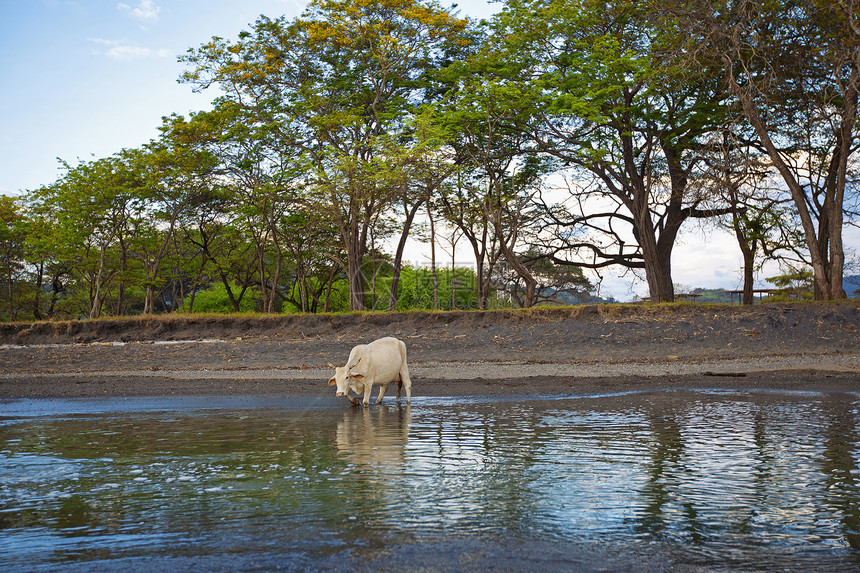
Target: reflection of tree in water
(510, 446)
(139, 473)
(763, 472)
(75, 512)
(842, 490)
(797, 443)
(777, 471)
(751, 472)
(470, 468)
(663, 486)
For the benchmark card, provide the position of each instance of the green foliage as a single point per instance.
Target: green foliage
(337, 295)
(216, 300)
(796, 284)
(13, 276)
(325, 104)
(457, 289)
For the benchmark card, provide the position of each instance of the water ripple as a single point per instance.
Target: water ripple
(697, 479)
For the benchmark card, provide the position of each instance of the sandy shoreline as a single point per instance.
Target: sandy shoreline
(818, 374)
(508, 370)
(557, 351)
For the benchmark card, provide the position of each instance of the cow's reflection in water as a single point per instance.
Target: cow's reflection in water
(374, 436)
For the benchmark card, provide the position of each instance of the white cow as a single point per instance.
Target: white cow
(381, 362)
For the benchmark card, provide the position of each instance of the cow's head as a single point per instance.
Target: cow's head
(343, 375)
(340, 379)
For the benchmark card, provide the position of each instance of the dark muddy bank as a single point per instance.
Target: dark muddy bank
(597, 332)
(91, 358)
(800, 320)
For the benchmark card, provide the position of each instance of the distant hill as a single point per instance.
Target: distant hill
(852, 286)
(712, 295)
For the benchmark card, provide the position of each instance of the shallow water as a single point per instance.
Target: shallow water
(691, 480)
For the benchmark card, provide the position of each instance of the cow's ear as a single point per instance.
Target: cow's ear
(356, 375)
(332, 382)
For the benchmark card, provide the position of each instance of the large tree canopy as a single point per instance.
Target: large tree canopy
(794, 70)
(339, 88)
(559, 136)
(602, 100)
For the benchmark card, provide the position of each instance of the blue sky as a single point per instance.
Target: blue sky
(90, 77)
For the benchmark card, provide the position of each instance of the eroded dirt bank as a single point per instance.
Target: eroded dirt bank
(554, 350)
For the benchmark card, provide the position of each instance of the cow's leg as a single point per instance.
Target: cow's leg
(382, 389)
(368, 386)
(407, 382)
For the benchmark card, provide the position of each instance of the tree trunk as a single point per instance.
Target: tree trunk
(356, 282)
(95, 309)
(453, 278)
(120, 298)
(226, 282)
(354, 236)
(656, 256)
(11, 294)
(844, 141)
(748, 253)
(273, 292)
(37, 302)
(521, 270)
(398, 257)
(826, 251)
(149, 304)
(330, 283)
(658, 272)
(433, 260)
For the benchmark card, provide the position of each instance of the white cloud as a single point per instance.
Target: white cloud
(146, 11)
(121, 51)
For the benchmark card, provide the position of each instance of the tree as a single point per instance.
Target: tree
(225, 252)
(266, 185)
(13, 236)
(92, 213)
(339, 84)
(478, 115)
(426, 166)
(758, 216)
(797, 283)
(555, 284)
(463, 204)
(178, 168)
(794, 69)
(483, 111)
(605, 103)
